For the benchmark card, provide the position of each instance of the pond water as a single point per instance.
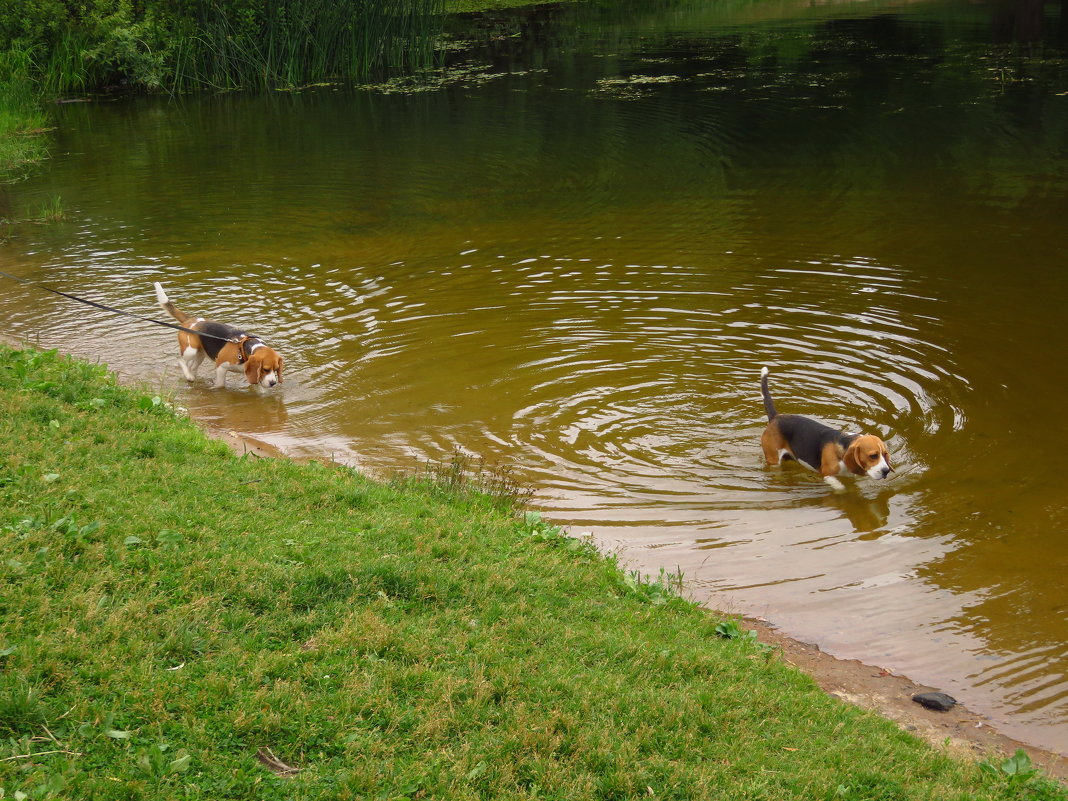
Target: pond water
(572, 250)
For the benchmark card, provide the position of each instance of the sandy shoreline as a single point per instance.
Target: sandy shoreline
(960, 730)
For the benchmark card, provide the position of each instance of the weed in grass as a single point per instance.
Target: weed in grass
(108, 729)
(1021, 778)
(1015, 770)
(464, 475)
(662, 589)
(21, 711)
(38, 785)
(158, 761)
(169, 538)
(540, 530)
(732, 629)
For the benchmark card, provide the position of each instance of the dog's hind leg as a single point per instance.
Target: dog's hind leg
(189, 361)
(772, 445)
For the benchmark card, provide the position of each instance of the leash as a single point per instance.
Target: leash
(120, 311)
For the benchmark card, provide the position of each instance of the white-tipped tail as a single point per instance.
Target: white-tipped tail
(763, 370)
(765, 393)
(161, 296)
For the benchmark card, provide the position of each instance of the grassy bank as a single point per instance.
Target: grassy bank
(182, 623)
(21, 120)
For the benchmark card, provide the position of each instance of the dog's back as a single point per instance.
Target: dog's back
(808, 438)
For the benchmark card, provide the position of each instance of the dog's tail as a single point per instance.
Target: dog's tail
(169, 307)
(769, 404)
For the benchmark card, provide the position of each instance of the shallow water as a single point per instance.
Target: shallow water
(571, 253)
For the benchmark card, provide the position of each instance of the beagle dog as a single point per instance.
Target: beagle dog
(232, 349)
(819, 447)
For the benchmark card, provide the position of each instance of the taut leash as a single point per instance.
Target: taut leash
(115, 311)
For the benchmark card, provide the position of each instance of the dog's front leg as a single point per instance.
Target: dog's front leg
(836, 485)
(220, 375)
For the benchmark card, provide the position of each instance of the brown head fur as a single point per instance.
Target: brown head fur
(864, 453)
(263, 361)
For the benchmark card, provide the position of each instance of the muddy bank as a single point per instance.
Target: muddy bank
(873, 688)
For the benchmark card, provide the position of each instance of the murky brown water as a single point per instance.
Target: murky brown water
(574, 255)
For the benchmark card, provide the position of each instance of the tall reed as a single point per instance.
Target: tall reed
(229, 44)
(302, 41)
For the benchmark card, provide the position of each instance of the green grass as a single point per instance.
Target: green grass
(223, 44)
(180, 623)
(21, 120)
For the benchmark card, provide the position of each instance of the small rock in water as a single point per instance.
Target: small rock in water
(938, 701)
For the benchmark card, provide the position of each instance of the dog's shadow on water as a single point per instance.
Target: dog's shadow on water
(865, 503)
(867, 510)
(244, 411)
(867, 514)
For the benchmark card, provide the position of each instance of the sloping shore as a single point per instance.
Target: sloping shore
(745, 680)
(962, 731)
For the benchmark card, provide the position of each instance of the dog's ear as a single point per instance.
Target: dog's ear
(254, 369)
(279, 369)
(850, 459)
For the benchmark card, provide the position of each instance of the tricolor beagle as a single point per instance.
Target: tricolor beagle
(231, 349)
(818, 447)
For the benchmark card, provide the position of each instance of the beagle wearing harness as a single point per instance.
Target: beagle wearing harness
(232, 349)
(818, 447)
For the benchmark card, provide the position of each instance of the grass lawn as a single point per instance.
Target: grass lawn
(178, 622)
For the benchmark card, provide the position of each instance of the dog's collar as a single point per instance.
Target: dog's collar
(242, 356)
